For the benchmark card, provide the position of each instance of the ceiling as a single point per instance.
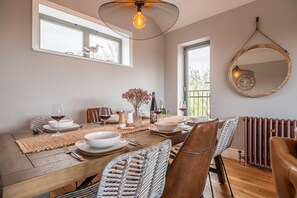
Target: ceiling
(192, 11)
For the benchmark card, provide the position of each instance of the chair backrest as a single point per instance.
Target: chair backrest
(187, 174)
(93, 115)
(283, 155)
(226, 137)
(37, 123)
(136, 174)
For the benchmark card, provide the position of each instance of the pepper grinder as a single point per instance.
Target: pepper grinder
(122, 120)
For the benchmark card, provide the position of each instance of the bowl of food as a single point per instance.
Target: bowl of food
(102, 139)
(64, 123)
(166, 126)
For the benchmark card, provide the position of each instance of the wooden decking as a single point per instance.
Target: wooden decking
(246, 182)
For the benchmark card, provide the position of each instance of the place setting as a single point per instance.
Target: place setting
(165, 128)
(103, 143)
(60, 122)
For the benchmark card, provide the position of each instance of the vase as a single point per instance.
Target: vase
(137, 117)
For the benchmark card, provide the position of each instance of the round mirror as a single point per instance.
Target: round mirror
(260, 70)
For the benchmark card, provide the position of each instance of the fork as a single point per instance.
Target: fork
(73, 154)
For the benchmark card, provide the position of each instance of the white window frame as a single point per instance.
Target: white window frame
(126, 55)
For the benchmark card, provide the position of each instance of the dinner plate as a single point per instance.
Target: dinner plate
(82, 145)
(155, 129)
(49, 129)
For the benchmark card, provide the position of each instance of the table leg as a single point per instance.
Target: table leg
(219, 169)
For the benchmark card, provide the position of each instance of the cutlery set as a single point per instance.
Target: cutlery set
(73, 154)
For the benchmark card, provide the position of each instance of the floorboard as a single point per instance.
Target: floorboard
(246, 182)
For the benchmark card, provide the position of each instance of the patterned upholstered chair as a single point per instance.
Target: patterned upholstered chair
(37, 123)
(136, 174)
(223, 143)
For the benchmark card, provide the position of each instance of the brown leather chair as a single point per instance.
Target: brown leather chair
(283, 154)
(188, 172)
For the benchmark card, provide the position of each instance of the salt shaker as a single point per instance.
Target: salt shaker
(295, 134)
(129, 119)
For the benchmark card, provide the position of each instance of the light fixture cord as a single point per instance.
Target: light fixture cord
(258, 30)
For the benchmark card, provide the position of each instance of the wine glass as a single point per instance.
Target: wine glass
(58, 114)
(104, 114)
(183, 108)
(158, 110)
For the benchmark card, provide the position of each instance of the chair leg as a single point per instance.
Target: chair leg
(210, 185)
(227, 178)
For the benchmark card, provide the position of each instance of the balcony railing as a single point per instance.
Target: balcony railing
(199, 103)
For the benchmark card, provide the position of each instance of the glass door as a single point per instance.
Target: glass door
(197, 79)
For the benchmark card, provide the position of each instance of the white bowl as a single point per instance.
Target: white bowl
(102, 139)
(196, 119)
(145, 114)
(114, 118)
(166, 126)
(64, 123)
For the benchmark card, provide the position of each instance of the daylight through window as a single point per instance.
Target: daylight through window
(65, 33)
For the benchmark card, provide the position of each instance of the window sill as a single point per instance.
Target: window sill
(80, 57)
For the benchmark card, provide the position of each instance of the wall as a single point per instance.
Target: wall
(30, 82)
(227, 33)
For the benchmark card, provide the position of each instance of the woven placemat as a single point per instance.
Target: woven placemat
(48, 142)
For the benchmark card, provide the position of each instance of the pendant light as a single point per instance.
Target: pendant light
(143, 19)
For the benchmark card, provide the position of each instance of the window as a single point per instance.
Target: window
(67, 40)
(63, 31)
(197, 79)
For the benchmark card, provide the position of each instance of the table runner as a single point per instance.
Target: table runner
(48, 142)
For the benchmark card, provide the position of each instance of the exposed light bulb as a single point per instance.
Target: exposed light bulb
(236, 74)
(139, 20)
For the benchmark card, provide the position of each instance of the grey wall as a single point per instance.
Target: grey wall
(30, 81)
(227, 33)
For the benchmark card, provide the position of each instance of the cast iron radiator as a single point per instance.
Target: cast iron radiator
(257, 132)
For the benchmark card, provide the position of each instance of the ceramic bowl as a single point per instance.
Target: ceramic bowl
(102, 139)
(166, 126)
(114, 118)
(145, 114)
(197, 119)
(64, 123)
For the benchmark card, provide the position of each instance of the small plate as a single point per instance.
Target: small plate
(155, 129)
(82, 145)
(53, 130)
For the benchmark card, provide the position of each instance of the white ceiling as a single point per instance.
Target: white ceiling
(192, 11)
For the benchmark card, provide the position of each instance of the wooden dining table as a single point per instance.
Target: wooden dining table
(32, 174)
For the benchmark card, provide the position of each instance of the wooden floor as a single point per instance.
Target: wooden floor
(246, 182)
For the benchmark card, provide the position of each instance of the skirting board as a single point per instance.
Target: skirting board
(232, 153)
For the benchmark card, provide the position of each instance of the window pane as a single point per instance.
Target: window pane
(108, 50)
(60, 38)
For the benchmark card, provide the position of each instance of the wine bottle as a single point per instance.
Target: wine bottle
(153, 115)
